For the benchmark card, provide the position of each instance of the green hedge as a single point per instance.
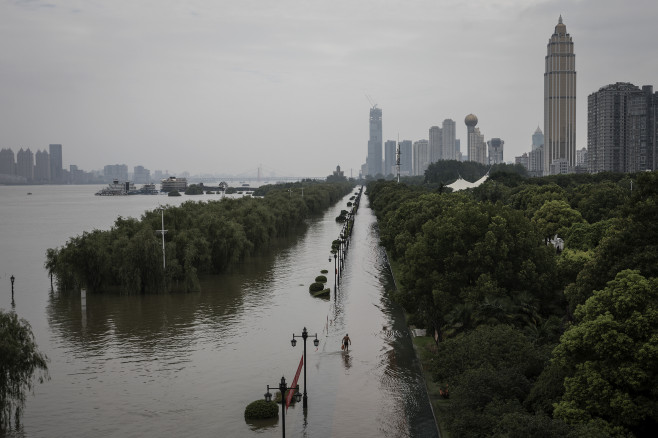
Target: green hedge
(261, 409)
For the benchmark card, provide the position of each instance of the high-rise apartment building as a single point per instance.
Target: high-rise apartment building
(449, 150)
(115, 171)
(560, 101)
(141, 175)
(621, 128)
(374, 159)
(7, 162)
(406, 158)
(421, 156)
(643, 131)
(435, 141)
(390, 148)
(495, 147)
(56, 166)
(42, 167)
(25, 164)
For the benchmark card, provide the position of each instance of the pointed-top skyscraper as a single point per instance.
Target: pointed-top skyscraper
(560, 103)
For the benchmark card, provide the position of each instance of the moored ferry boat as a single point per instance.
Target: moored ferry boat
(172, 183)
(115, 188)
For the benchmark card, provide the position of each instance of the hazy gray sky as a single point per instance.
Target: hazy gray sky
(225, 86)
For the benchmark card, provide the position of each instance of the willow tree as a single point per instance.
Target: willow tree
(20, 363)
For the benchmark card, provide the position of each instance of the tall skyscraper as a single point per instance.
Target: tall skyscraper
(436, 139)
(56, 167)
(374, 159)
(495, 147)
(560, 101)
(449, 149)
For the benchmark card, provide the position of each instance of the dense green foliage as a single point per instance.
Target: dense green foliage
(20, 361)
(532, 341)
(321, 279)
(194, 189)
(261, 409)
(201, 238)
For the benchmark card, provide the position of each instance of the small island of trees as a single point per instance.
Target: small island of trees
(201, 238)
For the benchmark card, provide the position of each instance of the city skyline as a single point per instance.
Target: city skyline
(213, 87)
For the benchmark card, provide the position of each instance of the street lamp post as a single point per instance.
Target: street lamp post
(335, 272)
(12, 278)
(293, 342)
(283, 387)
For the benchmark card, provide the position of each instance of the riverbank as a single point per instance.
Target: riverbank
(425, 349)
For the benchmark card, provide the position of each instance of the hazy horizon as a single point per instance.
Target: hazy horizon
(226, 87)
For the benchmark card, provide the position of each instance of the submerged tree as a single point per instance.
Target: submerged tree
(20, 360)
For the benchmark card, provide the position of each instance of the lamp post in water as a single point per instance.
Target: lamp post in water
(283, 387)
(335, 272)
(293, 342)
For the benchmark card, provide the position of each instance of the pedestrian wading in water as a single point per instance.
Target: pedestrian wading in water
(346, 343)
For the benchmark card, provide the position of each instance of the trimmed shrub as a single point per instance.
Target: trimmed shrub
(316, 287)
(260, 409)
(324, 271)
(320, 279)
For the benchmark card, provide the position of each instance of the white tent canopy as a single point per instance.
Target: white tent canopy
(462, 184)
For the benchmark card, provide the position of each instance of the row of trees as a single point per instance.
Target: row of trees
(532, 341)
(201, 238)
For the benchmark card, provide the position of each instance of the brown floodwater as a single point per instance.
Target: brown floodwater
(188, 364)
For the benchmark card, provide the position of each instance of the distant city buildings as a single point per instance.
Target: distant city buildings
(25, 164)
(56, 164)
(477, 149)
(449, 144)
(435, 144)
(141, 175)
(390, 148)
(42, 167)
(406, 158)
(421, 156)
(495, 148)
(560, 102)
(115, 171)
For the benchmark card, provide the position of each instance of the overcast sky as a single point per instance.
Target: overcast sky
(214, 86)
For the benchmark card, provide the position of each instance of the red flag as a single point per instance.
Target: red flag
(294, 382)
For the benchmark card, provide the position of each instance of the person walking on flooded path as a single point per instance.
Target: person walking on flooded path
(346, 342)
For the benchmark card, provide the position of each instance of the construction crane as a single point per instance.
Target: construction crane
(372, 104)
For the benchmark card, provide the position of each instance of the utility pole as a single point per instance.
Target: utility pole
(163, 232)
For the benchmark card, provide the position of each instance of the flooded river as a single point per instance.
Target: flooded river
(188, 364)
